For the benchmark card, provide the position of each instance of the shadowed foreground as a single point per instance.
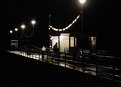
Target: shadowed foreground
(17, 71)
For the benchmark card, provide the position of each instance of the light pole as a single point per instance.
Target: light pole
(16, 30)
(82, 2)
(16, 36)
(11, 32)
(23, 26)
(33, 22)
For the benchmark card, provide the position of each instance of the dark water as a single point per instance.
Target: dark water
(17, 71)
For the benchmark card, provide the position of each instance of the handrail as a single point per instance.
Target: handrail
(92, 64)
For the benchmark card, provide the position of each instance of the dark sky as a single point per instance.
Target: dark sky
(101, 18)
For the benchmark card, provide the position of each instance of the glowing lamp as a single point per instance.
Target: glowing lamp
(33, 22)
(16, 29)
(82, 1)
(23, 26)
(11, 31)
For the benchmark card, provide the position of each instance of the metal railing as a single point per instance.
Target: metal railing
(100, 66)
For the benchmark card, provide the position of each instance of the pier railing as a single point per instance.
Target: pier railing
(102, 66)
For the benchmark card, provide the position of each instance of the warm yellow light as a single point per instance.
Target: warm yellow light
(23, 26)
(11, 31)
(82, 1)
(16, 29)
(33, 22)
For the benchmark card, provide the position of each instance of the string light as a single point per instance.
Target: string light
(63, 29)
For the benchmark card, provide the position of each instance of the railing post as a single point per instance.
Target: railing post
(52, 58)
(73, 61)
(42, 55)
(73, 67)
(58, 58)
(39, 55)
(83, 62)
(113, 73)
(47, 55)
(65, 59)
(97, 70)
(97, 67)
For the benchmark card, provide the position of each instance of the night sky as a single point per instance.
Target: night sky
(101, 18)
